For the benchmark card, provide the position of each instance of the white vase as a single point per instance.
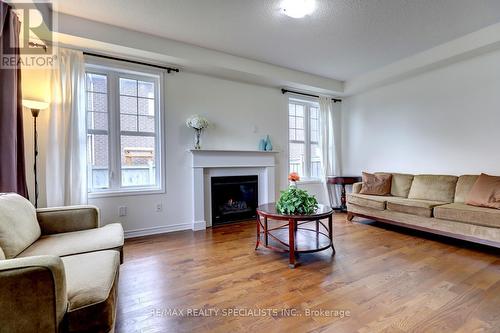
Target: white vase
(197, 135)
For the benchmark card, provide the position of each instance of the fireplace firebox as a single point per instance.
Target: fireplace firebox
(234, 198)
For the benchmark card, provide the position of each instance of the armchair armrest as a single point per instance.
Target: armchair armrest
(33, 294)
(57, 220)
(356, 187)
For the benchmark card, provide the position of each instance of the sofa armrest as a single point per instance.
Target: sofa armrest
(356, 187)
(33, 294)
(65, 219)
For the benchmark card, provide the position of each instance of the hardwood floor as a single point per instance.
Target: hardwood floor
(384, 278)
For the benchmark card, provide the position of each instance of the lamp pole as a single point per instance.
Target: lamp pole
(35, 107)
(34, 113)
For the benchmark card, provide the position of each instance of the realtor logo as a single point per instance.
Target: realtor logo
(35, 46)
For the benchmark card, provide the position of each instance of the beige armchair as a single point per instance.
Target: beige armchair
(58, 268)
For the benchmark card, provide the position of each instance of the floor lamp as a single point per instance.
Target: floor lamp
(35, 107)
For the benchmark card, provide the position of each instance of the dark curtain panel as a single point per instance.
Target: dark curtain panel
(12, 171)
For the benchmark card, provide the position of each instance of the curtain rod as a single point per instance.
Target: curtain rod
(168, 69)
(284, 91)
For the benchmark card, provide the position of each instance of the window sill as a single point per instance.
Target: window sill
(124, 193)
(309, 181)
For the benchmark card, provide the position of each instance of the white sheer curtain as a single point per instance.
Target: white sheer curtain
(330, 145)
(66, 169)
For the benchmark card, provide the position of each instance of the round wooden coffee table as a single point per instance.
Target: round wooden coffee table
(301, 238)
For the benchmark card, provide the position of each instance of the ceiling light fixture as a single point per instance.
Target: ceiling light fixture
(298, 8)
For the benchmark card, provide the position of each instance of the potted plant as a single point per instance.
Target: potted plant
(295, 201)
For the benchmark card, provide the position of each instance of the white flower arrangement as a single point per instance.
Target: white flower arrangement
(197, 122)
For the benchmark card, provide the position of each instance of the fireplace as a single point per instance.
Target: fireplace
(234, 198)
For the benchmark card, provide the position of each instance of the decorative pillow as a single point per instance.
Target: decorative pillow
(485, 192)
(376, 184)
(19, 227)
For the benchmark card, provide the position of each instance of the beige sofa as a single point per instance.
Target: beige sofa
(58, 268)
(431, 203)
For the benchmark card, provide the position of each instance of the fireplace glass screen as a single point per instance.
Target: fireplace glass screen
(234, 198)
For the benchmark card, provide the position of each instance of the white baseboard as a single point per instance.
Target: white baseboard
(199, 225)
(157, 230)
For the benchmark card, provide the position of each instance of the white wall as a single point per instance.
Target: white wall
(445, 121)
(241, 114)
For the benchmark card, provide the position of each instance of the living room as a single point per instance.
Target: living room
(176, 166)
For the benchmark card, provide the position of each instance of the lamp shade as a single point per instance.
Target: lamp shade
(37, 105)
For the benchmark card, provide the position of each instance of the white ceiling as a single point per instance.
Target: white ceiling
(342, 39)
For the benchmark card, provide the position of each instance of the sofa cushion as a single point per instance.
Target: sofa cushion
(413, 206)
(91, 286)
(400, 185)
(365, 200)
(488, 217)
(69, 243)
(464, 185)
(19, 227)
(433, 188)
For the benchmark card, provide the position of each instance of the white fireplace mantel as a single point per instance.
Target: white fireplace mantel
(209, 163)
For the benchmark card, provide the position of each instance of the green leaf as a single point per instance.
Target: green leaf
(296, 201)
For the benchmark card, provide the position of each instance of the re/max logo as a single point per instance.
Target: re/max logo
(37, 25)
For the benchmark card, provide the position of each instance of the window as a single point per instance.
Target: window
(304, 138)
(123, 130)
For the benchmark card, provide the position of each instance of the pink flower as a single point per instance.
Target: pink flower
(294, 177)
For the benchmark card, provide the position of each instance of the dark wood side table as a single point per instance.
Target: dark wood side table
(343, 181)
(296, 225)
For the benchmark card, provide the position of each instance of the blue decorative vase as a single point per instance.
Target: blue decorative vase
(269, 145)
(262, 145)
